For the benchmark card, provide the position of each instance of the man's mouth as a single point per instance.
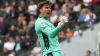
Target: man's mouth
(48, 12)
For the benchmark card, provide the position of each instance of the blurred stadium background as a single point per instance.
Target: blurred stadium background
(79, 37)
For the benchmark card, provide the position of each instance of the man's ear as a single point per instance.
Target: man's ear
(40, 10)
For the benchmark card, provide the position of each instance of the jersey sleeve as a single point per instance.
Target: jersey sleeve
(44, 28)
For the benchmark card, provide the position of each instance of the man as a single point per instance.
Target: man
(47, 33)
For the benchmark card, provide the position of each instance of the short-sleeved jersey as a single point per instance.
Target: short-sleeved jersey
(47, 35)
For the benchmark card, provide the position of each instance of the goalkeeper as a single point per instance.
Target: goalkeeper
(47, 33)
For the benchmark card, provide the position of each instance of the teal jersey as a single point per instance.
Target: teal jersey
(47, 35)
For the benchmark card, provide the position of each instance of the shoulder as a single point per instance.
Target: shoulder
(6, 44)
(35, 5)
(29, 6)
(39, 23)
(87, 15)
(64, 5)
(94, 14)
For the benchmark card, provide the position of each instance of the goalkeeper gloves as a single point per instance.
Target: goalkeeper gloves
(62, 22)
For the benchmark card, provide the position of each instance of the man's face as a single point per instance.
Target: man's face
(45, 10)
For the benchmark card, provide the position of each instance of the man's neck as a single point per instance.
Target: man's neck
(43, 16)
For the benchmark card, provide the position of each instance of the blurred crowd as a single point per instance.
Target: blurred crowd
(17, 23)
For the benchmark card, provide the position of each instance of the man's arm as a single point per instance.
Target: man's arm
(48, 30)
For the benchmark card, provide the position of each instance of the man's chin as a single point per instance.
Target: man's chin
(48, 15)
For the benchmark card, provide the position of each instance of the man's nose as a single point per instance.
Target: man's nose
(49, 9)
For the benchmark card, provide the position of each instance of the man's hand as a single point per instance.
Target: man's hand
(62, 22)
(64, 19)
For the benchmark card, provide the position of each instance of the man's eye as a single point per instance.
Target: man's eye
(47, 7)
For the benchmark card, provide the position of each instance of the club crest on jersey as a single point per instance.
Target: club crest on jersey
(42, 24)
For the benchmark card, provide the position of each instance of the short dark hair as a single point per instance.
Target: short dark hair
(41, 4)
